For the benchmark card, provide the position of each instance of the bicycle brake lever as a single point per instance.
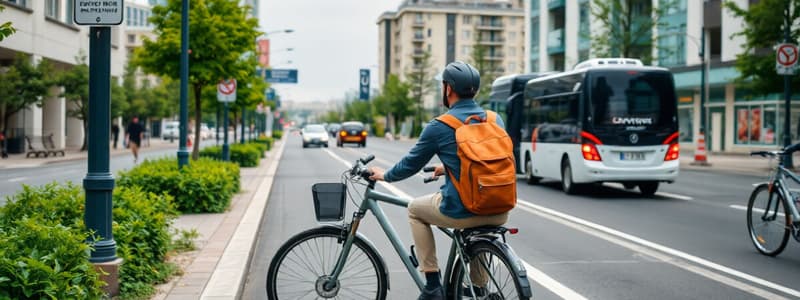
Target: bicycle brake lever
(431, 179)
(429, 169)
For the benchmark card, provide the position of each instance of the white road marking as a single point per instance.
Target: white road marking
(17, 179)
(534, 273)
(744, 208)
(662, 194)
(588, 227)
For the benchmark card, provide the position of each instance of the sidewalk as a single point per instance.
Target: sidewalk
(217, 269)
(74, 153)
(731, 163)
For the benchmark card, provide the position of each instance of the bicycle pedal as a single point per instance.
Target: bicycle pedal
(413, 257)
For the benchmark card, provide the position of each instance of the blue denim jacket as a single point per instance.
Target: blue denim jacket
(438, 138)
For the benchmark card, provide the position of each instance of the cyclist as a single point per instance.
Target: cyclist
(460, 83)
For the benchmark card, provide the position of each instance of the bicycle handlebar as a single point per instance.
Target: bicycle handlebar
(432, 178)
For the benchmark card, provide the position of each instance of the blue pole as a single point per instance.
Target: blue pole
(183, 153)
(99, 183)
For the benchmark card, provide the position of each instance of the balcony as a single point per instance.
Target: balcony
(497, 41)
(418, 23)
(418, 53)
(555, 41)
(497, 55)
(418, 38)
(489, 25)
(555, 4)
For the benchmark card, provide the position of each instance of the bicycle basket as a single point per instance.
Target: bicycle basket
(329, 202)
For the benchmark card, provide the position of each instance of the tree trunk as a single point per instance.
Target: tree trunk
(198, 115)
(235, 121)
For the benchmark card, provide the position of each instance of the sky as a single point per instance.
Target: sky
(332, 40)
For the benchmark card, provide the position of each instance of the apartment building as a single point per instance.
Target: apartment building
(45, 30)
(737, 120)
(449, 30)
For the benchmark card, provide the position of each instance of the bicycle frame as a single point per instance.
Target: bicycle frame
(778, 182)
(370, 203)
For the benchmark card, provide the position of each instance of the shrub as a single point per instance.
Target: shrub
(40, 259)
(245, 155)
(277, 134)
(205, 185)
(213, 152)
(266, 141)
(261, 147)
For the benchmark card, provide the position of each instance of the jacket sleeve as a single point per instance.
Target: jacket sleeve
(421, 154)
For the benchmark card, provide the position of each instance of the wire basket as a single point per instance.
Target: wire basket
(329, 201)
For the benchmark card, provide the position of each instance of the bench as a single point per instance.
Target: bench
(50, 146)
(35, 147)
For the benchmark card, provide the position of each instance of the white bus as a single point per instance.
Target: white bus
(608, 120)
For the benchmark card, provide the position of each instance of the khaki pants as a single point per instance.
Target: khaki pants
(424, 212)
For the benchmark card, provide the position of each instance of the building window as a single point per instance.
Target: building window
(52, 9)
(512, 36)
(512, 68)
(131, 38)
(756, 124)
(128, 16)
(418, 17)
(429, 32)
(512, 51)
(465, 50)
(513, 21)
(429, 47)
(70, 12)
(466, 20)
(677, 6)
(23, 3)
(467, 34)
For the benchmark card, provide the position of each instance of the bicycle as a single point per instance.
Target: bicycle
(772, 207)
(322, 263)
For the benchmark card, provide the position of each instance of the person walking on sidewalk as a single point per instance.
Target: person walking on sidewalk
(133, 137)
(115, 134)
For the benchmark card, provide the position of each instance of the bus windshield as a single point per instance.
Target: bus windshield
(632, 98)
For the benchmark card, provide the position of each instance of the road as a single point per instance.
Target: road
(688, 242)
(11, 180)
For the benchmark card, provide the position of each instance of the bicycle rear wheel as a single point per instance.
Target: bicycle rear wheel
(492, 275)
(304, 262)
(768, 223)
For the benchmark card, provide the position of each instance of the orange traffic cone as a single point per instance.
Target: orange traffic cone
(188, 142)
(700, 157)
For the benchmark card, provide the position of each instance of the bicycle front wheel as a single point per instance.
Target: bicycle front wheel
(767, 221)
(303, 264)
(491, 276)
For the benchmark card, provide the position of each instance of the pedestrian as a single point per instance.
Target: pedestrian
(115, 134)
(133, 137)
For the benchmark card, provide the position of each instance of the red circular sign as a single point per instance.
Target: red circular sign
(227, 87)
(787, 55)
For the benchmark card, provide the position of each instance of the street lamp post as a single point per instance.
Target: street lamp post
(183, 153)
(702, 54)
(787, 89)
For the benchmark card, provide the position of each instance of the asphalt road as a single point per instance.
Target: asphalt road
(11, 180)
(688, 242)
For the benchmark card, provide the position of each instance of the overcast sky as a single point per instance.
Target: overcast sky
(332, 40)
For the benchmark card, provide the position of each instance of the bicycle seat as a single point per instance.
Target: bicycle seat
(482, 230)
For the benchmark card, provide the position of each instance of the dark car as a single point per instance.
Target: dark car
(352, 132)
(333, 129)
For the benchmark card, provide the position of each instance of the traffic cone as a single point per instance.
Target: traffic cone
(700, 157)
(188, 142)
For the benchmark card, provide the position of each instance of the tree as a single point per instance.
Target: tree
(762, 31)
(485, 67)
(23, 85)
(626, 27)
(420, 82)
(5, 29)
(358, 110)
(394, 102)
(221, 32)
(76, 90)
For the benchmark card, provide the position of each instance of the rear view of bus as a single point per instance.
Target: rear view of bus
(631, 128)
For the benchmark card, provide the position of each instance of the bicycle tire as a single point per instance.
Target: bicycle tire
(499, 289)
(755, 212)
(361, 260)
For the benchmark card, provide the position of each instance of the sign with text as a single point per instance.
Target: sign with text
(98, 12)
(363, 84)
(786, 59)
(226, 90)
(281, 76)
(270, 94)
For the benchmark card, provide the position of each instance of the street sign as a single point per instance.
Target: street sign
(281, 76)
(363, 86)
(98, 13)
(226, 90)
(270, 94)
(786, 59)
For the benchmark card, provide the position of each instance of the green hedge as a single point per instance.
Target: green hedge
(277, 134)
(42, 234)
(245, 155)
(205, 185)
(266, 141)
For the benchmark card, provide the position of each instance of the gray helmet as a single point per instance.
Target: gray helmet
(463, 78)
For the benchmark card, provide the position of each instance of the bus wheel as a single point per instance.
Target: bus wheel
(567, 184)
(529, 172)
(648, 188)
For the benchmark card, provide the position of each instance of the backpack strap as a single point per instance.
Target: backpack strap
(450, 120)
(491, 116)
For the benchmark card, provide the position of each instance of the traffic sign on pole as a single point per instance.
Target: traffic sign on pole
(98, 13)
(363, 86)
(786, 59)
(226, 90)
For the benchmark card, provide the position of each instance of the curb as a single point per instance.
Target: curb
(227, 280)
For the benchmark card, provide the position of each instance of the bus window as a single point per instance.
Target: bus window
(630, 98)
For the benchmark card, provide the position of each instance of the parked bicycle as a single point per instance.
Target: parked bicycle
(335, 261)
(772, 212)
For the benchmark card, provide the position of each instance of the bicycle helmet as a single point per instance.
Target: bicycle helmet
(463, 78)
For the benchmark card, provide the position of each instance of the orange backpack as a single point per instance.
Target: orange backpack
(488, 182)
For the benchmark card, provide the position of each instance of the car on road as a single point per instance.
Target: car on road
(171, 130)
(333, 129)
(314, 134)
(205, 132)
(352, 132)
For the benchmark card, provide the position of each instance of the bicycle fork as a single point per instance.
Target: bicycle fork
(349, 235)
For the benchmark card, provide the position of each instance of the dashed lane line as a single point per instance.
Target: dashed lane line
(744, 208)
(533, 273)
